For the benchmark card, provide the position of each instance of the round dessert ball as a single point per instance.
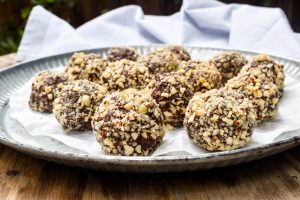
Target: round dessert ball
(229, 64)
(128, 123)
(262, 93)
(269, 68)
(160, 61)
(125, 74)
(220, 120)
(200, 75)
(119, 53)
(76, 104)
(179, 51)
(172, 93)
(45, 87)
(83, 66)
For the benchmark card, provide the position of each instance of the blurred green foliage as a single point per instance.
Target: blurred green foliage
(11, 31)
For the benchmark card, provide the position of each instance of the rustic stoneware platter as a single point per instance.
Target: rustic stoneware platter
(14, 77)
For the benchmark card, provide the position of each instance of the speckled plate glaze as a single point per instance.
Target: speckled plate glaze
(14, 77)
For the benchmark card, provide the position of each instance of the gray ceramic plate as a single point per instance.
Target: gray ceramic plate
(14, 77)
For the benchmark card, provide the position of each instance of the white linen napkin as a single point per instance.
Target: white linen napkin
(198, 23)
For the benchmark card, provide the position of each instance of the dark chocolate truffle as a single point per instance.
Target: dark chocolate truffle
(44, 90)
(269, 68)
(220, 120)
(261, 92)
(83, 66)
(76, 104)
(128, 123)
(179, 51)
(229, 64)
(200, 75)
(125, 74)
(119, 53)
(160, 61)
(172, 93)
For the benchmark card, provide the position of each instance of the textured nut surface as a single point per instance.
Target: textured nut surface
(125, 74)
(171, 104)
(226, 121)
(119, 53)
(74, 109)
(160, 61)
(202, 76)
(45, 87)
(261, 91)
(270, 70)
(229, 64)
(83, 66)
(137, 131)
(179, 51)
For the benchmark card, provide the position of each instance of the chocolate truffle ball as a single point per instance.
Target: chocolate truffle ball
(229, 64)
(172, 93)
(269, 68)
(262, 93)
(220, 120)
(179, 51)
(119, 53)
(125, 74)
(44, 90)
(200, 75)
(76, 104)
(128, 123)
(160, 61)
(83, 66)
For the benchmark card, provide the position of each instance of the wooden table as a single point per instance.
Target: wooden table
(25, 177)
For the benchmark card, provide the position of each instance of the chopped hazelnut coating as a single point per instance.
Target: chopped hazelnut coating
(220, 120)
(160, 61)
(179, 51)
(125, 74)
(44, 90)
(119, 53)
(229, 64)
(200, 75)
(172, 93)
(83, 66)
(269, 68)
(76, 104)
(128, 123)
(261, 92)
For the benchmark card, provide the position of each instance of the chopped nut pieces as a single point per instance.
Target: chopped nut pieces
(220, 120)
(262, 93)
(128, 123)
(269, 68)
(179, 51)
(200, 75)
(44, 90)
(119, 53)
(172, 93)
(83, 66)
(76, 104)
(160, 61)
(229, 64)
(125, 74)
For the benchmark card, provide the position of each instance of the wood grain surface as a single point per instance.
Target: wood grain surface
(25, 177)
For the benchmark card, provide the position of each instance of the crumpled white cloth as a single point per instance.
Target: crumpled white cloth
(199, 23)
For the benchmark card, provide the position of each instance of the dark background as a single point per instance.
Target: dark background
(14, 13)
